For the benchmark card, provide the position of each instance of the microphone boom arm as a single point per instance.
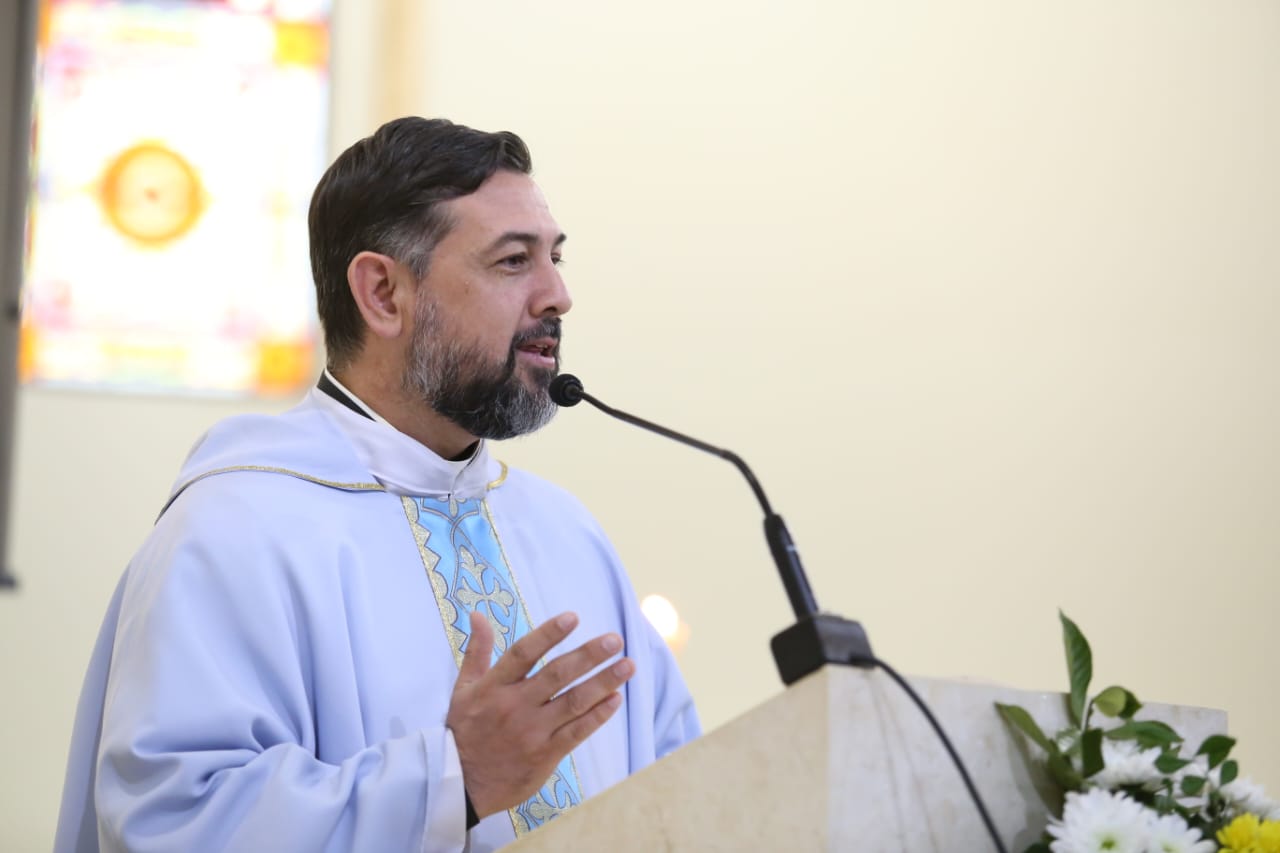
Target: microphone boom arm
(684, 439)
(817, 638)
(776, 534)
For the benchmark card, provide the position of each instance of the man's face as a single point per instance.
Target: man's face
(485, 339)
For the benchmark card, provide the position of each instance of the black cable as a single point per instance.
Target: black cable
(951, 750)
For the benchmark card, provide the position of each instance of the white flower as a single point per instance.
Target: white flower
(1126, 763)
(1099, 821)
(1170, 834)
(1245, 795)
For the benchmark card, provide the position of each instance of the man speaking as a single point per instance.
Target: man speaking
(352, 628)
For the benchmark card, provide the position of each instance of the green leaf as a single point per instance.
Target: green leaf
(1022, 721)
(1192, 785)
(1038, 847)
(1068, 740)
(1147, 733)
(1061, 771)
(1091, 759)
(1229, 771)
(1115, 701)
(1216, 747)
(1169, 762)
(1079, 666)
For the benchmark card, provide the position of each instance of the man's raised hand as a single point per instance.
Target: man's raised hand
(512, 728)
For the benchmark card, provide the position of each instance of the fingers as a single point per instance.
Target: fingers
(571, 666)
(509, 731)
(584, 700)
(574, 732)
(525, 653)
(475, 661)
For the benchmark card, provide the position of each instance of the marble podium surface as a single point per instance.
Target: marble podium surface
(842, 760)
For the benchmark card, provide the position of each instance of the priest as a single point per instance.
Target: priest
(353, 627)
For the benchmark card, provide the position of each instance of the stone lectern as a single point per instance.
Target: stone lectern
(841, 761)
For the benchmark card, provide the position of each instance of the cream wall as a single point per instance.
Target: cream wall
(985, 293)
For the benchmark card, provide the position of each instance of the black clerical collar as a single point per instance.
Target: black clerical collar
(327, 386)
(331, 388)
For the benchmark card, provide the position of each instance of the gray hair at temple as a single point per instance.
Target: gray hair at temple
(385, 194)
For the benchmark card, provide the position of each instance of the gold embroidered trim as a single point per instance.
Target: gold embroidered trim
(502, 478)
(517, 822)
(348, 487)
(439, 586)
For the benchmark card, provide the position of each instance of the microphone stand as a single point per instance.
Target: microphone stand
(817, 638)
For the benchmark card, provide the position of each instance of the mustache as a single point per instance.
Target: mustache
(546, 328)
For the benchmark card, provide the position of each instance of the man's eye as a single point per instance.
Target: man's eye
(514, 261)
(557, 260)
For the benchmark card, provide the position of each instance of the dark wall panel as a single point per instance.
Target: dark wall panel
(17, 59)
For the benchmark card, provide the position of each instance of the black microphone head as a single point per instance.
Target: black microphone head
(566, 390)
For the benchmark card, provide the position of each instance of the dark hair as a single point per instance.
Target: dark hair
(385, 194)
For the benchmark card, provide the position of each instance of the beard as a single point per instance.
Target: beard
(484, 397)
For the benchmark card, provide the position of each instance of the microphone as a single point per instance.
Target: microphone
(566, 390)
(816, 638)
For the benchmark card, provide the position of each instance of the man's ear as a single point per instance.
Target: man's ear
(379, 286)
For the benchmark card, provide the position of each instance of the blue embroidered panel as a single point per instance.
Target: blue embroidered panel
(469, 572)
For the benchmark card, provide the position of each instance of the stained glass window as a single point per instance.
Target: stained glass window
(176, 147)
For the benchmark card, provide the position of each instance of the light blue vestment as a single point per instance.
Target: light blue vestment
(274, 671)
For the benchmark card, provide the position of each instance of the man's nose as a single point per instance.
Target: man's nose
(551, 299)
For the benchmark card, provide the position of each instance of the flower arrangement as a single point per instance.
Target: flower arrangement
(1131, 786)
